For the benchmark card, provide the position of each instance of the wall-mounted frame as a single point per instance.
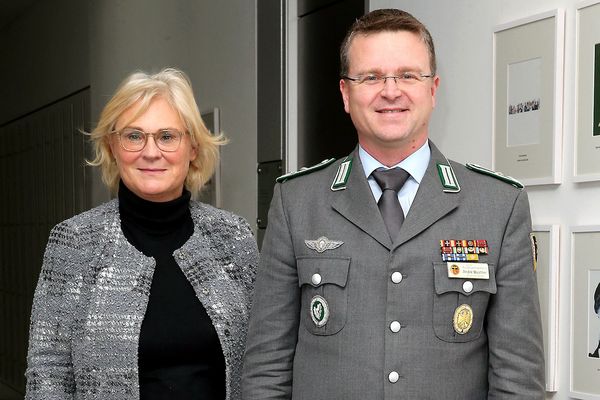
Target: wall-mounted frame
(528, 98)
(211, 191)
(587, 115)
(547, 271)
(585, 318)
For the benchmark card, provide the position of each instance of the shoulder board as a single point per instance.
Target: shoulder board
(305, 170)
(497, 175)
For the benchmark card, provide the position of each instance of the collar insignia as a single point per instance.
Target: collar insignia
(448, 179)
(342, 175)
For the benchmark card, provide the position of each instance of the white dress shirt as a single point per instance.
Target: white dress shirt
(415, 165)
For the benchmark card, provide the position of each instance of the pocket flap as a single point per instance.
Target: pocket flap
(444, 284)
(330, 270)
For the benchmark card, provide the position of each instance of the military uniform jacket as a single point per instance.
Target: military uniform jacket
(390, 335)
(93, 291)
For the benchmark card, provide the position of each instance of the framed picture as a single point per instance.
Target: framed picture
(211, 190)
(548, 241)
(587, 114)
(585, 313)
(527, 104)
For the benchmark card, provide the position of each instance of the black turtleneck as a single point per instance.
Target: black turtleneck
(180, 354)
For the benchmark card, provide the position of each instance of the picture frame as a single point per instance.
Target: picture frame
(211, 190)
(585, 319)
(587, 101)
(547, 273)
(528, 98)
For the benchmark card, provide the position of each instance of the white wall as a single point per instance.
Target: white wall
(214, 43)
(462, 124)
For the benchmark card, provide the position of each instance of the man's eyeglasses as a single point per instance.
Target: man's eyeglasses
(132, 139)
(378, 80)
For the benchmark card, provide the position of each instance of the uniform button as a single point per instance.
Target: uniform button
(468, 286)
(393, 377)
(395, 326)
(316, 279)
(396, 277)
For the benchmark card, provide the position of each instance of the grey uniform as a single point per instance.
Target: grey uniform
(389, 332)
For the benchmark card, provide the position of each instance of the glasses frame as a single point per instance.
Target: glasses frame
(147, 135)
(382, 79)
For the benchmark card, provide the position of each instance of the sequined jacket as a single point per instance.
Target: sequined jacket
(93, 291)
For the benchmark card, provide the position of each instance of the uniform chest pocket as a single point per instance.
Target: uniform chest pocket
(459, 305)
(323, 282)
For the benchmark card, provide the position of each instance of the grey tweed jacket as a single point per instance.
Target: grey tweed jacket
(92, 296)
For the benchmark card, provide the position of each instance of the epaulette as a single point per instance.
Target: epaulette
(305, 170)
(497, 175)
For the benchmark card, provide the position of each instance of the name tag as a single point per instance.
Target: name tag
(468, 270)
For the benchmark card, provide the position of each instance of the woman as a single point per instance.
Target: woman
(145, 296)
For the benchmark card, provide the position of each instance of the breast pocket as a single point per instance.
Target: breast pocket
(324, 295)
(459, 305)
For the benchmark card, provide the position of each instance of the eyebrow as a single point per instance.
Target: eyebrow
(378, 71)
(156, 130)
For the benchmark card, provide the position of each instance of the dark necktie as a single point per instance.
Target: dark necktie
(391, 181)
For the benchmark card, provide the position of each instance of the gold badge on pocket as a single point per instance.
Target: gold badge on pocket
(463, 319)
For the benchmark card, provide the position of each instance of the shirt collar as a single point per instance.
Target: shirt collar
(415, 164)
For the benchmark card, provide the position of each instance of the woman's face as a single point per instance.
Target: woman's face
(153, 174)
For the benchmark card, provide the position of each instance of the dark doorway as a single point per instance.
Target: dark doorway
(324, 128)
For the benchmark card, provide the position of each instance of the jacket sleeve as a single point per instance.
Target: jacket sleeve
(274, 319)
(247, 258)
(516, 353)
(49, 366)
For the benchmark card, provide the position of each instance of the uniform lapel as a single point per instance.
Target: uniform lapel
(431, 202)
(357, 205)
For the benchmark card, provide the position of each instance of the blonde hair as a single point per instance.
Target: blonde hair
(141, 88)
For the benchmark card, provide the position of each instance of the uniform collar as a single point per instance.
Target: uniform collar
(415, 164)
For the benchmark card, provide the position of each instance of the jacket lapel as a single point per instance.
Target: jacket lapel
(357, 204)
(431, 202)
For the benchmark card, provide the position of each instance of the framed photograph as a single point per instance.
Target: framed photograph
(587, 105)
(211, 191)
(585, 313)
(527, 103)
(547, 241)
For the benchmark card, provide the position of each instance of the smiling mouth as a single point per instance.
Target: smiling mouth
(390, 111)
(395, 110)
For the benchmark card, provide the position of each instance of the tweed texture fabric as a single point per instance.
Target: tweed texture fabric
(93, 291)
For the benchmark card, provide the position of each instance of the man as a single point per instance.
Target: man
(351, 302)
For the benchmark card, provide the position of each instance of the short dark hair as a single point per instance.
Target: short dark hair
(383, 20)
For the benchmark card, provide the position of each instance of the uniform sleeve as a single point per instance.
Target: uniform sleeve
(516, 353)
(49, 366)
(274, 319)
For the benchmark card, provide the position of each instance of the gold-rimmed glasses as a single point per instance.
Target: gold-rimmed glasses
(133, 139)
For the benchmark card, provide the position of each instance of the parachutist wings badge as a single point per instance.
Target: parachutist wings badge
(322, 244)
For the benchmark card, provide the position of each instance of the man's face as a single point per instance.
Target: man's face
(390, 117)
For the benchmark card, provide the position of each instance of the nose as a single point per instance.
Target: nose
(391, 89)
(151, 150)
